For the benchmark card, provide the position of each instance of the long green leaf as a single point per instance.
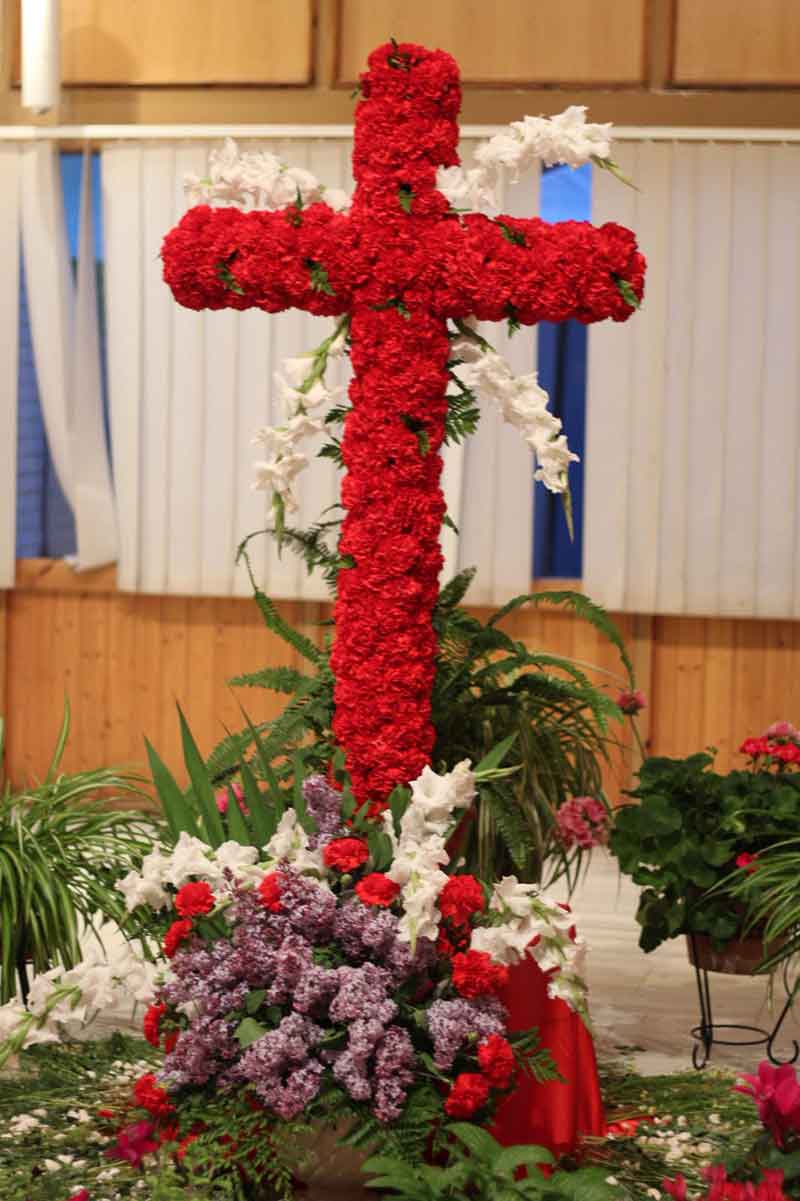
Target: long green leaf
(202, 789)
(177, 811)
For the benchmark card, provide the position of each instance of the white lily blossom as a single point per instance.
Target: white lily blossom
(522, 402)
(190, 858)
(419, 851)
(537, 926)
(258, 180)
(566, 139)
(289, 844)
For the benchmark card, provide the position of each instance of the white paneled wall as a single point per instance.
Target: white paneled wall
(189, 389)
(693, 424)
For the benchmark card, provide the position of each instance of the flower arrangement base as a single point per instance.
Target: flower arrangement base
(331, 1171)
(739, 958)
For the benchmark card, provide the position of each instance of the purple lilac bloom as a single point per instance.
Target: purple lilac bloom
(452, 1022)
(362, 994)
(366, 933)
(309, 908)
(279, 1065)
(314, 990)
(351, 1067)
(324, 804)
(201, 1052)
(292, 961)
(394, 1071)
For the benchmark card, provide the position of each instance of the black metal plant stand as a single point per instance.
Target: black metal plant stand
(705, 1035)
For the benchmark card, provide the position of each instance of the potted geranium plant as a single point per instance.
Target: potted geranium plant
(693, 829)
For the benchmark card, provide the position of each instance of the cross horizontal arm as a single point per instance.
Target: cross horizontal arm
(218, 258)
(530, 270)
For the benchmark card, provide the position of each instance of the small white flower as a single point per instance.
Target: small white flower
(336, 198)
(139, 890)
(714, 1119)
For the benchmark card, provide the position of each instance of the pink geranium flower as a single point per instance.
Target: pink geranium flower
(776, 1093)
(133, 1143)
(583, 822)
(222, 798)
(631, 701)
(781, 729)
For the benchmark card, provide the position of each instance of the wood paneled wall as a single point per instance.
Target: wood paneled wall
(125, 661)
(634, 62)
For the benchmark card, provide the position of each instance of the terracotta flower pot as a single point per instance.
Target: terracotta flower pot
(740, 957)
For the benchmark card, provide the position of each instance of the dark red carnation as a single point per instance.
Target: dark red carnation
(177, 934)
(461, 897)
(497, 1061)
(377, 889)
(468, 1093)
(151, 1024)
(475, 975)
(149, 1095)
(270, 892)
(346, 854)
(195, 899)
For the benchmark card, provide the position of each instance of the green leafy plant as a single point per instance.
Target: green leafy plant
(477, 1166)
(682, 840)
(62, 848)
(490, 689)
(770, 896)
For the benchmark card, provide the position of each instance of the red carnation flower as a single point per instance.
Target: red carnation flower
(497, 1061)
(460, 898)
(748, 861)
(469, 1092)
(346, 854)
(270, 892)
(152, 1024)
(177, 933)
(475, 975)
(149, 1095)
(133, 1143)
(194, 900)
(377, 889)
(170, 1041)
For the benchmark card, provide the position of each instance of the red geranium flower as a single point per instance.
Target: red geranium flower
(195, 899)
(149, 1095)
(460, 898)
(469, 1092)
(631, 701)
(346, 854)
(497, 1060)
(152, 1024)
(748, 861)
(133, 1143)
(270, 892)
(377, 889)
(177, 933)
(475, 975)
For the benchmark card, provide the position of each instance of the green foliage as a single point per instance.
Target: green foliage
(681, 841)
(771, 899)
(319, 278)
(62, 848)
(477, 1166)
(490, 689)
(463, 412)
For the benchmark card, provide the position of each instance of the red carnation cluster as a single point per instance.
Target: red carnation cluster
(177, 934)
(461, 897)
(269, 891)
(149, 1095)
(195, 899)
(151, 1024)
(496, 1059)
(469, 1092)
(476, 975)
(346, 854)
(401, 263)
(377, 889)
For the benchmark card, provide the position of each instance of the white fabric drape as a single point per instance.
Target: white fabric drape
(188, 390)
(10, 171)
(692, 489)
(66, 349)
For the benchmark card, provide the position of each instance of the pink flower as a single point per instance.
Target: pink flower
(133, 1143)
(222, 798)
(583, 822)
(631, 701)
(748, 861)
(776, 1093)
(781, 729)
(81, 1195)
(676, 1188)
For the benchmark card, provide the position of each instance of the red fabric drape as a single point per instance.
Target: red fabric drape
(554, 1115)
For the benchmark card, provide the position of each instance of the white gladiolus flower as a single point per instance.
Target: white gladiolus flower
(289, 844)
(258, 180)
(336, 198)
(190, 857)
(141, 890)
(554, 460)
(298, 369)
(236, 858)
(276, 475)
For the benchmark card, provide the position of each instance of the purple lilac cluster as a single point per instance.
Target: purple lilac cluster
(278, 952)
(324, 805)
(453, 1023)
